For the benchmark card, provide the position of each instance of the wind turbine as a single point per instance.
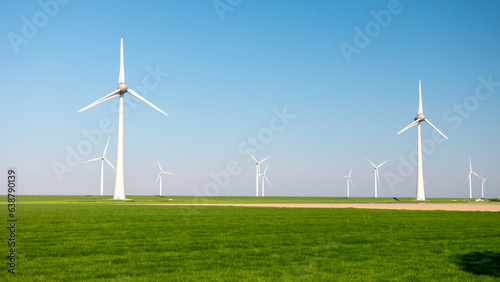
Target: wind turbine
(263, 176)
(257, 172)
(377, 177)
(119, 193)
(470, 178)
(418, 119)
(482, 186)
(103, 158)
(161, 173)
(348, 179)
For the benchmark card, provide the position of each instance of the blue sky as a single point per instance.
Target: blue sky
(229, 72)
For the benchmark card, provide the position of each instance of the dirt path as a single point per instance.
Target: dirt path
(421, 206)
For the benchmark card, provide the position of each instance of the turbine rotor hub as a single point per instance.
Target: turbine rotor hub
(421, 117)
(123, 88)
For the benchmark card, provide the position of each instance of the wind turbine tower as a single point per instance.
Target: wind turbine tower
(376, 176)
(470, 178)
(119, 193)
(348, 179)
(482, 187)
(160, 175)
(263, 176)
(103, 158)
(257, 172)
(418, 119)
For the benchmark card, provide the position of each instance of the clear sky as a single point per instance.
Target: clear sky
(320, 86)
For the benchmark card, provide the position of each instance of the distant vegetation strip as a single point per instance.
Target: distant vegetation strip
(26, 199)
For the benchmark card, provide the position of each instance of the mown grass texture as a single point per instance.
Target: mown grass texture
(102, 241)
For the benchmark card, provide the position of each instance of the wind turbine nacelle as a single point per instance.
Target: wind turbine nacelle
(420, 117)
(123, 88)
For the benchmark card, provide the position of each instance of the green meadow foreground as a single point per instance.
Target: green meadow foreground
(93, 238)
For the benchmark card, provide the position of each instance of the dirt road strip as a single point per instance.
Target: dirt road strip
(422, 206)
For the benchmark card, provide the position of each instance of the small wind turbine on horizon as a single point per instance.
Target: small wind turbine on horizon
(119, 193)
(469, 178)
(348, 179)
(160, 175)
(482, 186)
(377, 177)
(264, 176)
(418, 119)
(257, 172)
(103, 158)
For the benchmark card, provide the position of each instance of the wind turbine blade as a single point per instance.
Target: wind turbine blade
(351, 182)
(121, 78)
(265, 159)
(350, 173)
(420, 109)
(381, 164)
(371, 163)
(105, 148)
(253, 157)
(411, 124)
(144, 100)
(470, 165)
(265, 169)
(159, 165)
(109, 96)
(468, 178)
(169, 173)
(267, 180)
(429, 123)
(96, 159)
(159, 175)
(110, 163)
(477, 175)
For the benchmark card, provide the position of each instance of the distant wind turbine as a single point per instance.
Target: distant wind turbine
(103, 158)
(348, 179)
(469, 178)
(257, 172)
(160, 175)
(482, 187)
(263, 176)
(119, 193)
(377, 177)
(418, 119)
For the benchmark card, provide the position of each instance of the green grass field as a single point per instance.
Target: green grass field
(93, 238)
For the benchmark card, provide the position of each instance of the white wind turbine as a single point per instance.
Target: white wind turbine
(348, 179)
(376, 176)
(103, 158)
(469, 178)
(418, 119)
(263, 176)
(119, 193)
(161, 173)
(257, 172)
(482, 186)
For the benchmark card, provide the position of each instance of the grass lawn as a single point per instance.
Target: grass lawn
(92, 238)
